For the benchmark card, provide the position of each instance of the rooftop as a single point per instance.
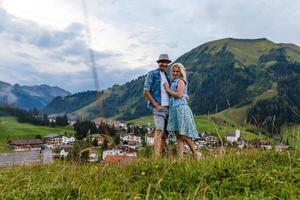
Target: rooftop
(25, 142)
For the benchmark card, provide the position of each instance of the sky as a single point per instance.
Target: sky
(45, 41)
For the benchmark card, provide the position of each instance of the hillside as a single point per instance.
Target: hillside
(28, 97)
(222, 74)
(70, 103)
(249, 174)
(11, 129)
(212, 124)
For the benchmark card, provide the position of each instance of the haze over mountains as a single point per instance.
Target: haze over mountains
(27, 97)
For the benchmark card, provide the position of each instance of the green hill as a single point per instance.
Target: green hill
(11, 129)
(224, 74)
(235, 175)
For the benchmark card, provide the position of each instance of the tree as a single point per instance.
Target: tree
(62, 120)
(94, 142)
(116, 139)
(38, 136)
(105, 144)
(83, 128)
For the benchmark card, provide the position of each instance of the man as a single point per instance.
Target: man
(158, 100)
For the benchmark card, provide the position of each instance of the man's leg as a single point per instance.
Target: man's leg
(159, 127)
(164, 147)
(157, 143)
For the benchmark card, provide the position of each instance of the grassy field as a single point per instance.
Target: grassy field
(248, 174)
(11, 129)
(291, 135)
(208, 124)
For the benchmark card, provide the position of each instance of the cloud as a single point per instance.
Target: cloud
(45, 40)
(6, 92)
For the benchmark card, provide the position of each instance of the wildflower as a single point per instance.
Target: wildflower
(156, 166)
(106, 198)
(143, 173)
(137, 197)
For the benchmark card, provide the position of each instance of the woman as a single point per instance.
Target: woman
(181, 120)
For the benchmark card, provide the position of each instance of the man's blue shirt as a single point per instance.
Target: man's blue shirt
(153, 85)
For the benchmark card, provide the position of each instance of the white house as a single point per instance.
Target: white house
(99, 137)
(233, 137)
(149, 138)
(65, 150)
(120, 150)
(131, 139)
(54, 140)
(68, 140)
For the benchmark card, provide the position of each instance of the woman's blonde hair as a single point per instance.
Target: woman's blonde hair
(181, 69)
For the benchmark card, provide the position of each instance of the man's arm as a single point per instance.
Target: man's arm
(151, 99)
(147, 94)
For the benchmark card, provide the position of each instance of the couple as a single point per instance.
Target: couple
(167, 98)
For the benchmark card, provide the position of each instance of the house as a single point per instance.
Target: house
(110, 123)
(281, 147)
(233, 137)
(210, 139)
(131, 139)
(128, 150)
(230, 138)
(68, 140)
(65, 149)
(265, 144)
(120, 150)
(99, 137)
(201, 143)
(25, 144)
(110, 159)
(149, 138)
(92, 154)
(53, 140)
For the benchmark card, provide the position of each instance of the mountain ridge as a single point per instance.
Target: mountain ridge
(28, 97)
(222, 73)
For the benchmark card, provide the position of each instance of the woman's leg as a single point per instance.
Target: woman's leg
(190, 143)
(179, 145)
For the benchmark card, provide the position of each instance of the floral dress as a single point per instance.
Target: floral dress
(180, 116)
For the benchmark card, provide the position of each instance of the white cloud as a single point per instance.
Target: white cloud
(47, 36)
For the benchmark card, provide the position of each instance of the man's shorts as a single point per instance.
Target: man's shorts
(160, 118)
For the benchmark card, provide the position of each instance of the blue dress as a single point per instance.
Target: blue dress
(180, 115)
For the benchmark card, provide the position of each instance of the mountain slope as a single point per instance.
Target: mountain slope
(70, 103)
(27, 97)
(223, 73)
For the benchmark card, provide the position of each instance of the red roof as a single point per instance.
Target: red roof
(118, 158)
(26, 142)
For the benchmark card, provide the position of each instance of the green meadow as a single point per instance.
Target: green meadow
(251, 174)
(11, 129)
(211, 124)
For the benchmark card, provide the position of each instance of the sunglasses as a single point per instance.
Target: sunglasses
(164, 62)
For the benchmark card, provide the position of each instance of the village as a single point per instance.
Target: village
(130, 144)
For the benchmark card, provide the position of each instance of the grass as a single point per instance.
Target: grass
(212, 125)
(11, 129)
(251, 174)
(239, 114)
(291, 135)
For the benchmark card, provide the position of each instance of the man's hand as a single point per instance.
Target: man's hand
(157, 107)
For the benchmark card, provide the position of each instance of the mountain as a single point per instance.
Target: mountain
(70, 103)
(222, 74)
(27, 97)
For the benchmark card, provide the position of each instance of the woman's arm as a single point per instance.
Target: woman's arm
(180, 89)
